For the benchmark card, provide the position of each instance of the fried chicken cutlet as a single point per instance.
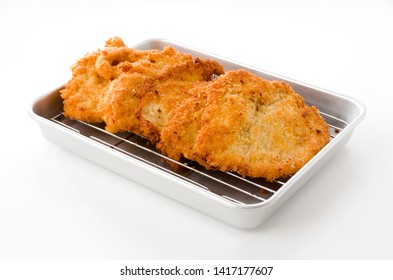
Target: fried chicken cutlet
(81, 94)
(169, 91)
(238, 122)
(140, 103)
(242, 123)
(93, 74)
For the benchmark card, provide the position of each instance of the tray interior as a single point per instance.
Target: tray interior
(340, 113)
(227, 185)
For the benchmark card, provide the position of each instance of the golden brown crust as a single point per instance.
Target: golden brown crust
(247, 125)
(238, 122)
(82, 93)
(169, 90)
(93, 74)
(158, 102)
(140, 98)
(179, 133)
(119, 104)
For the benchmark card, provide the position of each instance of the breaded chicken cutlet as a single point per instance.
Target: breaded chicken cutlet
(81, 94)
(242, 123)
(108, 85)
(237, 122)
(141, 103)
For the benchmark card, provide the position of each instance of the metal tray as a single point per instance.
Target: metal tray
(241, 202)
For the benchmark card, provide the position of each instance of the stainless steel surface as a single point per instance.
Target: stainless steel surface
(228, 186)
(243, 202)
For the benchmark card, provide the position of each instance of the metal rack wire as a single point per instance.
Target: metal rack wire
(228, 185)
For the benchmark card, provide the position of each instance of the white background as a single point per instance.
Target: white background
(55, 205)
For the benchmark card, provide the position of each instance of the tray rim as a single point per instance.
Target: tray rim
(345, 133)
(354, 101)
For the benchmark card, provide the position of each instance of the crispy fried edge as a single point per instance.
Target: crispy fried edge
(177, 143)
